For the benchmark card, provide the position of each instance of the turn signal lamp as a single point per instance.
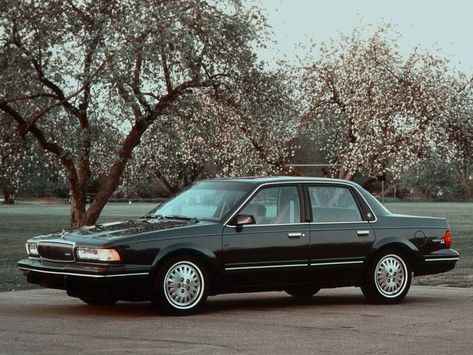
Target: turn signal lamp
(97, 254)
(448, 239)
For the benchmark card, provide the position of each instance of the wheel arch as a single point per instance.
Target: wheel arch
(205, 256)
(404, 246)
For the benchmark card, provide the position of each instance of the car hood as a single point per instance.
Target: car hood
(115, 230)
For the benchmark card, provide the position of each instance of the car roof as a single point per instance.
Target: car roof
(258, 180)
(375, 205)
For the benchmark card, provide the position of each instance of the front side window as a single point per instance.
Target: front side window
(333, 204)
(274, 205)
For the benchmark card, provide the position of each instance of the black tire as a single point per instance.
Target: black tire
(306, 291)
(388, 278)
(99, 301)
(181, 286)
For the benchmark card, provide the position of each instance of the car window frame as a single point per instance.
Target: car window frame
(302, 208)
(365, 206)
(354, 194)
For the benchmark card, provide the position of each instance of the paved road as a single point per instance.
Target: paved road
(432, 320)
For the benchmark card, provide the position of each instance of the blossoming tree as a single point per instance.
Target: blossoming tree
(120, 62)
(377, 112)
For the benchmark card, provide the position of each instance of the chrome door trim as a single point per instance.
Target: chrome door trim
(337, 263)
(443, 259)
(233, 268)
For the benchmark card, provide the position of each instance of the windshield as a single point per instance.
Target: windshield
(206, 200)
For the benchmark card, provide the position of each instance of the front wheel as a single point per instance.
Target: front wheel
(388, 278)
(181, 286)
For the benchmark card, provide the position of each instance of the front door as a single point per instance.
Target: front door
(275, 249)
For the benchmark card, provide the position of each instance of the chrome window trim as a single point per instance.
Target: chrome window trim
(302, 182)
(351, 222)
(294, 224)
(269, 224)
(443, 259)
(360, 211)
(83, 275)
(367, 204)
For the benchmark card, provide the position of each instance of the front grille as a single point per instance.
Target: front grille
(56, 251)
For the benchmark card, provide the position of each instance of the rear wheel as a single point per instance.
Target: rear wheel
(388, 278)
(181, 286)
(302, 291)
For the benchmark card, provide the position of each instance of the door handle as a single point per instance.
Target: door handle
(295, 235)
(363, 233)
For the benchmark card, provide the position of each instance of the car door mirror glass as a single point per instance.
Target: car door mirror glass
(243, 219)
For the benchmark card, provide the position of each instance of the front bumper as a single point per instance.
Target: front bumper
(87, 280)
(437, 262)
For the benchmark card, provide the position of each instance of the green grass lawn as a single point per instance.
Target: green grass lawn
(18, 222)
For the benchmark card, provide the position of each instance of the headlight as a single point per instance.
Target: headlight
(32, 249)
(97, 254)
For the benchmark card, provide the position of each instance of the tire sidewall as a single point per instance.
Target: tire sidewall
(370, 288)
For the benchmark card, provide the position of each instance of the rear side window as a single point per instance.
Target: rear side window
(333, 204)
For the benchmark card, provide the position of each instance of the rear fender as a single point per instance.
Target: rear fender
(403, 245)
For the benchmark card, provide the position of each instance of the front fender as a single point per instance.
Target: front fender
(184, 247)
(206, 255)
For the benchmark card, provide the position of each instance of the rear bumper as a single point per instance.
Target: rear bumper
(437, 262)
(118, 281)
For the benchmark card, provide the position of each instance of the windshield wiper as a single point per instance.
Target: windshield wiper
(152, 216)
(182, 217)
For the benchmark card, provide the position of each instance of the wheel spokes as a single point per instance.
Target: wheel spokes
(183, 285)
(391, 275)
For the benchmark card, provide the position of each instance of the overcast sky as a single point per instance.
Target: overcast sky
(431, 24)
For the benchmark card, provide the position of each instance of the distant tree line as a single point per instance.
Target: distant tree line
(122, 97)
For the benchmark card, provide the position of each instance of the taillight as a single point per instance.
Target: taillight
(448, 239)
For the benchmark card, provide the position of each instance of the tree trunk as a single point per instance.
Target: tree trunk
(346, 175)
(78, 211)
(116, 171)
(7, 197)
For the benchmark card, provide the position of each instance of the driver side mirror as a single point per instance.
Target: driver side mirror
(243, 219)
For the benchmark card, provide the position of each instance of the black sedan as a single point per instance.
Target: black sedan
(243, 235)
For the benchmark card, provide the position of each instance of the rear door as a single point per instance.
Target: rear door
(340, 235)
